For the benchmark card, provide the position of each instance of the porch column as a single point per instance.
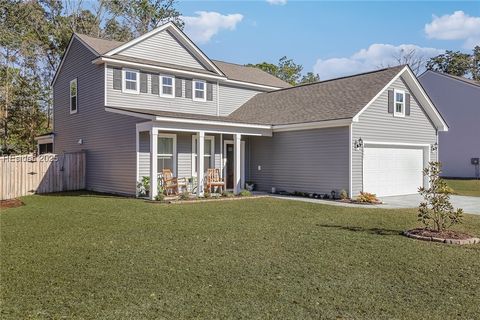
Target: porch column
(200, 166)
(153, 163)
(236, 170)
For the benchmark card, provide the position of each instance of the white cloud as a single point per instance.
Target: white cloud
(374, 57)
(456, 26)
(277, 2)
(205, 25)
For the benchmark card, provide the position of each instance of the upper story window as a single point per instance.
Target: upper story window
(130, 81)
(73, 96)
(399, 103)
(167, 86)
(199, 93)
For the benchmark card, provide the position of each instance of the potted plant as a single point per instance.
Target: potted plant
(143, 187)
(250, 185)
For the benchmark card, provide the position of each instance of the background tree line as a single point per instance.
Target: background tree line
(35, 34)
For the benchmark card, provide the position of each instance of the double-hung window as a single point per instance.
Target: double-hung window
(399, 103)
(130, 81)
(208, 156)
(167, 152)
(167, 86)
(199, 88)
(73, 96)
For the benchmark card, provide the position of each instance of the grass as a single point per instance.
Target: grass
(84, 256)
(465, 187)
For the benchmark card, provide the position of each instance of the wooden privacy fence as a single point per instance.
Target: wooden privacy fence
(26, 174)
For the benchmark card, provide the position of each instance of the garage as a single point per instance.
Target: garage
(393, 170)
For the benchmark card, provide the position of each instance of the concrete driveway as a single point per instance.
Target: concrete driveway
(468, 204)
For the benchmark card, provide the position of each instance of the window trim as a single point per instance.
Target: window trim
(124, 81)
(174, 150)
(395, 113)
(76, 96)
(160, 92)
(194, 155)
(204, 90)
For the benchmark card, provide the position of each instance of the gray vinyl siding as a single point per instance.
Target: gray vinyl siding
(309, 161)
(231, 98)
(108, 139)
(117, 98)
(376, 124)
(459, 104)
(163, 47)
(184, 154)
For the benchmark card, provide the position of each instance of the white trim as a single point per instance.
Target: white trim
(395, 112)
(250, 84)
(350, 161)
(200, 153)
(174, 29)
(312, 125)
(124, 81)
(194, 155)
(194, 81)
(210, 122)
(406, 144)
(129, 113)
(160, 92)
(218, 99)
(76, 95)
(153, 163)
(105, 85)
(174, 151)
(74, 36)
(137, 150)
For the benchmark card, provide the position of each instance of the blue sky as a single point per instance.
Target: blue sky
(331, 38)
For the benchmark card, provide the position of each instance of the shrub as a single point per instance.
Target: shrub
(436, 211)
(160, 197)
(228, 194)
(245, 193)
(447, 190)
(343, 194)
(207, 194)
(185, 195)
(366, 197)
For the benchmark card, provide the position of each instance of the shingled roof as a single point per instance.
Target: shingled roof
(340, 98)
(232, 71)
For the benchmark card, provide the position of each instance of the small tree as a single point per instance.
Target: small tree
(436, 212)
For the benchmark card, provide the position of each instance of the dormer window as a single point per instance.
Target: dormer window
(167, 88)
(399, 103)
(130, 81)
(199, 90)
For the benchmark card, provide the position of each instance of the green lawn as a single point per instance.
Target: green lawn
(465, 187)
(93, 256)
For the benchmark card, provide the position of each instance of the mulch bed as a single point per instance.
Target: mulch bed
(358, 202)
(447, 236)
(10, 203)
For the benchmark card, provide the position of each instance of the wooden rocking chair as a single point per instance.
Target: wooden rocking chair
(169, 182)
(213, 180)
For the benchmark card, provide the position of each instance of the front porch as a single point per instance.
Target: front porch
(189, 148)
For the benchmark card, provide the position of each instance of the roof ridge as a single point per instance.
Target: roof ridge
(401, 66)
(458, 78)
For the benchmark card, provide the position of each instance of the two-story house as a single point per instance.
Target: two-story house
(159, 102)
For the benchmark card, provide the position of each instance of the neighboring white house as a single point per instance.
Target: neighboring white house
(458, 99)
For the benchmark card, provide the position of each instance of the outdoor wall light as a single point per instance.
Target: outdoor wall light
(357, 144)
(434, 146)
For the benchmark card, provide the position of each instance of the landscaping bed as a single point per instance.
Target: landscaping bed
(10, 203)
(446, 236)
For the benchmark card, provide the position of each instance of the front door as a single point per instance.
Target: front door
(229, 165)
(229, 158)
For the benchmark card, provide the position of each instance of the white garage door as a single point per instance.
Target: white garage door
(392, 171)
